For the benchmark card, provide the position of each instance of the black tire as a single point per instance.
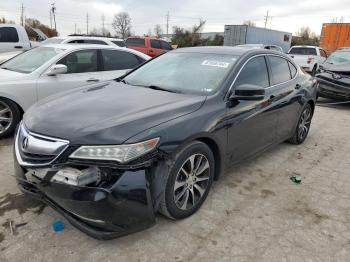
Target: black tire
(297, 138)
(13, 112)
(200, 153)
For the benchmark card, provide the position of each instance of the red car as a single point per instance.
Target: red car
(149, 46)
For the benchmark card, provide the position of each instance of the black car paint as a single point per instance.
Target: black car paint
(234, 130)
(334, 82)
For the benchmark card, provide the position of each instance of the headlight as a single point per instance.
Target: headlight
(120, 153)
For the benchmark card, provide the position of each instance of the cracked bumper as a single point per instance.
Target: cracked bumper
(123, 208)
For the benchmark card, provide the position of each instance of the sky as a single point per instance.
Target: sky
(286, 16)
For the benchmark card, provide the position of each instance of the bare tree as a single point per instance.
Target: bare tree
(122, 24)
(158, 31)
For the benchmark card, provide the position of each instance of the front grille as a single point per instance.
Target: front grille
(37, 150)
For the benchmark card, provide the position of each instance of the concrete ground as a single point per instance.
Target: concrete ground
(253, 213)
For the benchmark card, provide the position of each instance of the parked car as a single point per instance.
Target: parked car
(8, 55)
(14, 38)
(149, 46)
(334, 76)
(74, 39)
(262, 46)
(308, 57)
(46, 70)
(127, 149)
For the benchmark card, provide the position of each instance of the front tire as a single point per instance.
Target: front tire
(303, 126)
(189, 181)
(10, 116)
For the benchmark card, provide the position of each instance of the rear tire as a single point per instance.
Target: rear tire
(10, 115)
(188, 182)
(303, 126)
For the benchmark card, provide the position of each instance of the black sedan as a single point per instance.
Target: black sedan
(334, 76)
(108, 157)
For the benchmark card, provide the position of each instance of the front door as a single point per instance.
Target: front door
(251, 124)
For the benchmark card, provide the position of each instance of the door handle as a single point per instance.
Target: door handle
(297, 86)
(93, 80)
(18, 46)
(272, 97)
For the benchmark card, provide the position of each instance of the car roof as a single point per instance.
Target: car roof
(224, 50)
(307, 46)
(87, 37)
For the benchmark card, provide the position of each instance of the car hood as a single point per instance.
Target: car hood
(336, 68)
(108, 113)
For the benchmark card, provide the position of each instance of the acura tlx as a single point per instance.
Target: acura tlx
(108, 157)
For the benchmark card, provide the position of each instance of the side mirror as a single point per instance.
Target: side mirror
(57, 70)
(248, 92)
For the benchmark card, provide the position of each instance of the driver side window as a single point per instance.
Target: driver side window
(254, 73)
(80, 61)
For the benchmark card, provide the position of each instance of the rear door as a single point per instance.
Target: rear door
(83, 66)
(117, 62)
(285, 85)
(156, 48)
(252, 124)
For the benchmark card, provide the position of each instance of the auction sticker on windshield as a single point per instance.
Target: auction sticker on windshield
(215, 63)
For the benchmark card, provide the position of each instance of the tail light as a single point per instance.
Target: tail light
(309, 60)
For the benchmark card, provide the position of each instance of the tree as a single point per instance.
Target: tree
(249, 23)
(304, 36)
(4, 21)
(185, 38)
(34, 23)
(122, 24)
(158, 31)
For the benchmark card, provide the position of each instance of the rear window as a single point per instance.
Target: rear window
(8, 34)
(302, 51)
(155, 44)
(119, 43)
(135, 42)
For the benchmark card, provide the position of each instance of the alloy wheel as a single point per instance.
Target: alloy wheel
(6, 117)
(191, 181)
(304, 123)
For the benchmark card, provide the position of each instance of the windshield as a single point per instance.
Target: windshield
(119, 43)
(31, 60)
(302, 51)
(53, 40)
(339, 58)
(195, 73)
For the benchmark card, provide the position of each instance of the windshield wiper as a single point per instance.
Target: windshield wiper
(121, 80)
(162, 89)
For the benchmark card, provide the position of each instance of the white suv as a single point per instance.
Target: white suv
(308, 57)
(85, 40)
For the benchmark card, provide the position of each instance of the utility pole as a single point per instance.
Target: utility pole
(22, 14)
(167, 24)
(87, 23)
(75, 28)
(103, 24)
(266, 18)
(50, 19)
(53, 10)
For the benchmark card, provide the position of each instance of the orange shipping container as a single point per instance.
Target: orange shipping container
(334, 36)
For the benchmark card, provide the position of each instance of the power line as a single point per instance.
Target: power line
(167, 23)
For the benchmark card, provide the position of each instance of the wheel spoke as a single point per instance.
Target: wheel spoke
(203, 168)
(180, 195)
(5, 119)
(184, 204)
(2, 128)
(184, 171)
(200, 179)
(199, 189)
(179, 184)
(191, 159)
(199, 162)
(4, 111)
(192, 195)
